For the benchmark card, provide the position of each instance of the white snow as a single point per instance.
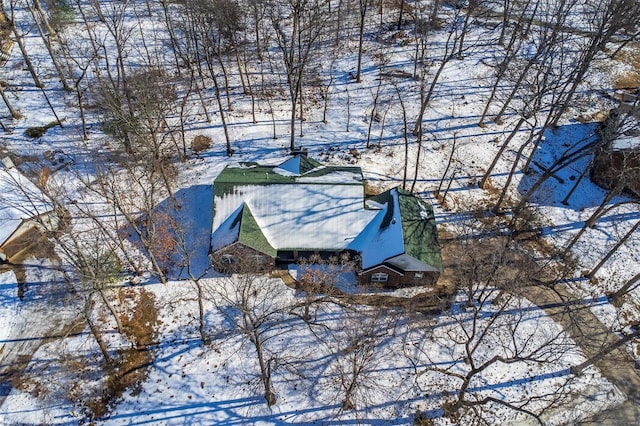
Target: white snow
(290, 167)
(8, 304)
(410, 263)
(626, 143)
(227, 232)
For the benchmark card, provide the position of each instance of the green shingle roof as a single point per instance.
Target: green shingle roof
(419, 230)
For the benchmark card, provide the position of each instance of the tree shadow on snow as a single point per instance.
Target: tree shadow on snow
(573, 179)
(183, 230)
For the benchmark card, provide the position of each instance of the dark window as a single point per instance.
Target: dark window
(379, 277)
(227, 259)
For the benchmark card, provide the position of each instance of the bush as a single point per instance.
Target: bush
(201, 143)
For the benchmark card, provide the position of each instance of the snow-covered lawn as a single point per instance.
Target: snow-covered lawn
(310, 364)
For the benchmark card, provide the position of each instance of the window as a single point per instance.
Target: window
(258, 259)
(227, 259)
(418, 275)
(379, 277)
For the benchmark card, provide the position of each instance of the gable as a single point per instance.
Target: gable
(228, 231)
(251, 235)
(298, 165)
(403, 234)
(382, 238)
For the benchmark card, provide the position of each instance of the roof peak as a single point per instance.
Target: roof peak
(299, 165)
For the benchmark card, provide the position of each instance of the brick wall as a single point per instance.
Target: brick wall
(396, 279)
(238, 257)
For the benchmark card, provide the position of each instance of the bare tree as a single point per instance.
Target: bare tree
(364, 6)
(318, 280)
(248, 301)
(209, 25)
(134, 193)
(19, 41)
(40, 20)
(489, 326)
(607, 18)
(298, 25)
(520, 33)
(450, 51)
(356, 343)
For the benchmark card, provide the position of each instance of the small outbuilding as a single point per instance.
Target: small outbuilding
(24, 209)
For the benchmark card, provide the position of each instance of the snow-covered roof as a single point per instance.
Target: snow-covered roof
(301, 216)
(402, 234)
(382, 238)
(625, 143)
(304, 205)
(20, 199)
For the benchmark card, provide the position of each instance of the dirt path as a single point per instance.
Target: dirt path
(591, 335)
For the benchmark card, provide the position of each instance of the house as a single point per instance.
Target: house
(278, 214)
(24, 209)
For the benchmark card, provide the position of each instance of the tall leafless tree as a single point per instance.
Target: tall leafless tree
(248, 301)
(298, 26)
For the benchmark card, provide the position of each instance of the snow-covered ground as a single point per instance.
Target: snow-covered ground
(218, 383)
(9, 305)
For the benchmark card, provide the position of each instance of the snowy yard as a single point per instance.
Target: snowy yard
(213, 347)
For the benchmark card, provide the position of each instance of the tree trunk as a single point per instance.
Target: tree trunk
(15, 114)
(405, 137)
(25, 56)
(222, 118)
(265, 368)
(628, 286)
(446, 170)
(578, 369)
(511, 50)
(613, 250)
(497, 209)
(201, 313)
(112, 310)
(565, 200)
(591, 221)
(565, 159)
(486, 175)
(363, 13)
(95, 332)
(52, 55)
(419, 148)
(448, 54)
